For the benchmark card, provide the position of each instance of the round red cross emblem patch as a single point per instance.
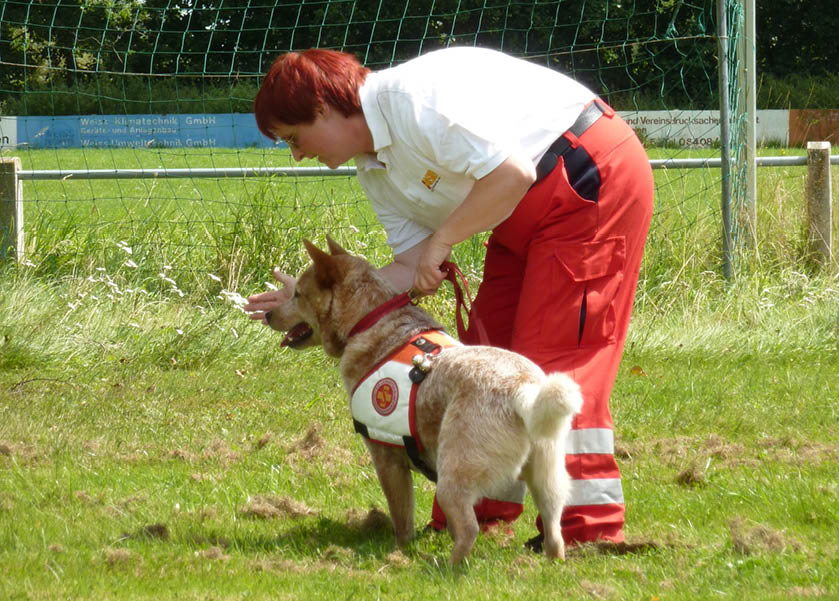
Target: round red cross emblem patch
(385, 396)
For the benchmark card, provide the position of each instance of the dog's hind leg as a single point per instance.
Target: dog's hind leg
(458, 505)
(549, 484)
(394, 474)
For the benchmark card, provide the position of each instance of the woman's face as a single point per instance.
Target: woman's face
(328, 138)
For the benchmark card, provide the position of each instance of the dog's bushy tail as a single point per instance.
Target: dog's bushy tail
(544, 410)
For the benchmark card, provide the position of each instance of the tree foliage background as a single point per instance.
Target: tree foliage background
(165, 56)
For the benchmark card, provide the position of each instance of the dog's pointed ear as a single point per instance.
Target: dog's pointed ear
(326, 271)
(334, 247)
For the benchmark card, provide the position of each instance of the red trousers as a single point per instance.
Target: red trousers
(558, 287)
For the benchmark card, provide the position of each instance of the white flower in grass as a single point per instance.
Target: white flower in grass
(233, 297)
(123, 245)
(130, 263)
(213, 276)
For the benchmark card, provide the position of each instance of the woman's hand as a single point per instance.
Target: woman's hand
(428, 275)
(259, 304)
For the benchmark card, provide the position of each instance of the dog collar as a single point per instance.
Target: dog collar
(397, 302)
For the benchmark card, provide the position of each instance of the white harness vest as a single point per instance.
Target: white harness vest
(383, 403)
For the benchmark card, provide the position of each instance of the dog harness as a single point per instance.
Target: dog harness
(383, 403)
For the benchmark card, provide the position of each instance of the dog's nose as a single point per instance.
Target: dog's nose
(268, 315)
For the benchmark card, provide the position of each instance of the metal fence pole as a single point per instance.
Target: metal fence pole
(747, 91)
(725, 135)
(819, 209)
(11, 210)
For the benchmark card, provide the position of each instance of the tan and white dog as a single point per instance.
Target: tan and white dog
(479, 416)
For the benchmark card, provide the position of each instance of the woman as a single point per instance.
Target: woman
(466, 140)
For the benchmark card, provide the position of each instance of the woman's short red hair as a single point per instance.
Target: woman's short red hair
(298, 84)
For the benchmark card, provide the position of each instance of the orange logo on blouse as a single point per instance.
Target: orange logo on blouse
(430, 179)
(385, 396)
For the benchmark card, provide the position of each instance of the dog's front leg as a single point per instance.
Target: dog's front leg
(394, 474)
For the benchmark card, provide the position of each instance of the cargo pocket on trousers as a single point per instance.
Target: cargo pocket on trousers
(586, 276)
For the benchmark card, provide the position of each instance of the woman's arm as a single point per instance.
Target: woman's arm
(492, 199)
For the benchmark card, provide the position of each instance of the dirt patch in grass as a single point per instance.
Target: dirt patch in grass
(398, 559)
(369, 522)
(751, 538)
(183, 455)
(85, 497)
(342, 556)
(269, 506)
(313, 452)
(524, 564)
(311, 445)
(213, 554)
(277, 565)
(597, 590)
(157, 531)
(696, 450)
(117, 557)
(692, 476)
(629, 547)
(21, 453)
(806, 592)
(216, 450)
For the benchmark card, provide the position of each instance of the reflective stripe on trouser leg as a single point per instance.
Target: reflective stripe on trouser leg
(595, 508)
(598, 483)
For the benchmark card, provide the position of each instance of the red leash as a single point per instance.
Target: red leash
(456, 277)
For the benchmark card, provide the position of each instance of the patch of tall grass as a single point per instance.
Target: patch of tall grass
(148, 268)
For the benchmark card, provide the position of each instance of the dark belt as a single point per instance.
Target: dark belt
(583, 174)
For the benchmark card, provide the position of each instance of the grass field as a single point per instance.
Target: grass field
(159, 445)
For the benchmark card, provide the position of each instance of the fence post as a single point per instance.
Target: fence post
(11, 210)
(819, 209)
(725, 137)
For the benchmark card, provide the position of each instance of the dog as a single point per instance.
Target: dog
(473, 417)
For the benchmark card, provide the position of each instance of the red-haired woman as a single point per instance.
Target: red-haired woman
(466, 140)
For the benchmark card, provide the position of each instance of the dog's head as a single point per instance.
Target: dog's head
(329, 298)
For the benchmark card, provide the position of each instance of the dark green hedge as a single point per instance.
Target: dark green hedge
(161, 95)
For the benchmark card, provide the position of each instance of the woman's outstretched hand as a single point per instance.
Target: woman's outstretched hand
(259, 304)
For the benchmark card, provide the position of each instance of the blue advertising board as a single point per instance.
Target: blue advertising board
(229, 130)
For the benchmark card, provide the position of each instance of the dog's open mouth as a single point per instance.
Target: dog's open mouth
(297, 335)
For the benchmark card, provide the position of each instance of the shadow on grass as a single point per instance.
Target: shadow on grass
(305, 538)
